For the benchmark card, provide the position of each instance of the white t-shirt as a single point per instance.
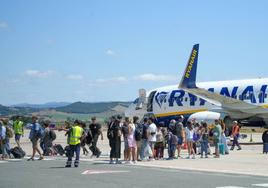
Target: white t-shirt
(152, 129)
(189, 134)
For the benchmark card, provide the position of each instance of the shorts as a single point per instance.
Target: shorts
(180, 140)
(17, 137)
(34, 142)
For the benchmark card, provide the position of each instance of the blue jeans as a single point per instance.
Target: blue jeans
(235, 142)
(171, 150)
(204, 147)
(74, 149)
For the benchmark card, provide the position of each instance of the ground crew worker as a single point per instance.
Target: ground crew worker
(235, 135)
(76, 133)
(18, 129)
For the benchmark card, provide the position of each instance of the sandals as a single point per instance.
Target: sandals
(41, 158)
(30, 159)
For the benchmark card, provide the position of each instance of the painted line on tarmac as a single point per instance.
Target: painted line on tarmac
(91, 172)
(230, 187)
(261, 185)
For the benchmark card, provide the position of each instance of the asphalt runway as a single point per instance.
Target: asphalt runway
(52, 174)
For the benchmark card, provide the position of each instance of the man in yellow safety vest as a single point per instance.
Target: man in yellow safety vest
(18, 129)
(76, 133)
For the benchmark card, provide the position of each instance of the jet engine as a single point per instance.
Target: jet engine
(209, 118)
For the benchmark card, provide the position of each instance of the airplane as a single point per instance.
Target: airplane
(241, 100)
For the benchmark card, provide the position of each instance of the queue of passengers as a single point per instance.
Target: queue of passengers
(147, 141)
(142, 140)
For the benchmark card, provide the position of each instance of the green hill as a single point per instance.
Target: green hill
(6, 111)
(88, 108)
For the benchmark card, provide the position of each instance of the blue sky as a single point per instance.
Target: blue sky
(91, 51)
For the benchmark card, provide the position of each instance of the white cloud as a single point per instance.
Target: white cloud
(113, 80)
(110, 52)
(38, 74)
(75, 77)
(3, 25)
(154, 77)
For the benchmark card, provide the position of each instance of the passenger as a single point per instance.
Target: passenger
(159, 145)
(152, 136)
(180, 133)
(96, 131)
(196, 136)
(217, 132)
(223, 137)
(3, 141)
(18, 129)
(172, 141)
(204, 139)
(235, 135)
(115, 133)
(146, 151)
(125, 135)
(189, 139)
(76, 134)
(35, 134)
(47, 140)
(138, 136)
(84, 140)
(131, 143)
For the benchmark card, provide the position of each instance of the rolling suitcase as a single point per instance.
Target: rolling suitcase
(221, 148)
(58, 149)
(17, 152)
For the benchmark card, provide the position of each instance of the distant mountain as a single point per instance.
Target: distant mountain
(6, 111)
(87, 108)
(43, 106)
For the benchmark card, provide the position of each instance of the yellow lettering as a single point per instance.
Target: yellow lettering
(190, 66)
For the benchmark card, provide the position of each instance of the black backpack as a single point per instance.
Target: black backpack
(17, 152)
(138, 132)
(52, 135)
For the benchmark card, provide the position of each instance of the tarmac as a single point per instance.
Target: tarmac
(248, 161)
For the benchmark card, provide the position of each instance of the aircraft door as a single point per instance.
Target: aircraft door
(150, 101)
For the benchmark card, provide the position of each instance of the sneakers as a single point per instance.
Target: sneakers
(112, 162)
(239, 148)
(68, 166)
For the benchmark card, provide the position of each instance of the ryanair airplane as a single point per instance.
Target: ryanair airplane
(243, 100)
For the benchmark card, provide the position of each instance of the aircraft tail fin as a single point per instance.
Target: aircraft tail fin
(189, 77)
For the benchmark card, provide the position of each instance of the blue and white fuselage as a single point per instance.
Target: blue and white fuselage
(233, 99)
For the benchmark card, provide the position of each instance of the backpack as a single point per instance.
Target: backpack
(40, 132)
(17, 152)
(89, 138)
(138, 132)
(52, 135)
(174, 139)
(9, 132)
(110, 134)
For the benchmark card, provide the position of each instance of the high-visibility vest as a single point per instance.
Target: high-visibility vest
(18, 129)
(76, 134)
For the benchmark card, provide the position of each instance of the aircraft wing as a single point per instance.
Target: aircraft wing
(188, 83)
